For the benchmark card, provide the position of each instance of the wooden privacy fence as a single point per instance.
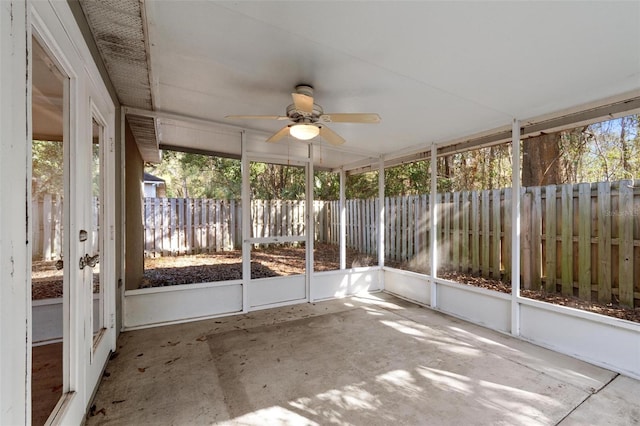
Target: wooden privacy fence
(581, 239)
(47, 226)
(175, 226)
(178, 226)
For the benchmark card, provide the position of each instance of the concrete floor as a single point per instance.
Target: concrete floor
(370, 360)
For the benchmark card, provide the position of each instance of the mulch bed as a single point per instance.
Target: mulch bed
(272, 261)
(46, 280)
(610, 309)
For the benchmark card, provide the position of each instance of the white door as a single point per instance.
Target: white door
(279, 233)
(73, 164)
(98, 260)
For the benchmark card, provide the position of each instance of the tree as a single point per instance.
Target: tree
(541, 160)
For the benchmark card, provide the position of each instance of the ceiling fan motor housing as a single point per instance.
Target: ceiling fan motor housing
(298, 116)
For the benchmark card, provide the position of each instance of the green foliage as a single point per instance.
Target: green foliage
(48, 167)
(408, 179)
(608, 150)
(362, 186)
(277, 182)
(326, 186)
(198, 176)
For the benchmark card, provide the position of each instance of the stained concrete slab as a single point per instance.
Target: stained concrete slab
(371, 360)
(616, 404)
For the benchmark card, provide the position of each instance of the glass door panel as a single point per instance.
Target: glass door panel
(50, 268)
(97, 299)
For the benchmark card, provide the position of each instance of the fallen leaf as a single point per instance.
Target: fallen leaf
(172, 361)
(201, 338)
(142, 369)
(118, 401)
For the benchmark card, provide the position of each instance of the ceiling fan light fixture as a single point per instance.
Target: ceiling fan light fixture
(304, 132)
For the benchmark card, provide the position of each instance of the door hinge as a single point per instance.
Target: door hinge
(112, 232)
(111, 145)
(113, 321)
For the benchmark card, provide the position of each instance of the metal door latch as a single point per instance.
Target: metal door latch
(90, 261)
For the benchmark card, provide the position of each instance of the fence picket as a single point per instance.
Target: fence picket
(47, 223)
(604, 242)
(464, 211)
(475, 233)
(485, 216)
(495, 224)
(584, 241)
(455, 230)
(536, 238)
(525, 241)
(625, 215)
(551, 240)
(567, 239)
(507, 234)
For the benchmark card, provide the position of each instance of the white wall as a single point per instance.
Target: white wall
(151, 307)
(608, 342)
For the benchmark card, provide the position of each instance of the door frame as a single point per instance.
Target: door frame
(278, 282)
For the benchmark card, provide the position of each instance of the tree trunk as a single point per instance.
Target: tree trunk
(541, 160)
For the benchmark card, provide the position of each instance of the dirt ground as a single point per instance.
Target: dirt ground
(224, 266)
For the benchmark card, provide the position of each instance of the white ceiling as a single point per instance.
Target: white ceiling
(434, 71)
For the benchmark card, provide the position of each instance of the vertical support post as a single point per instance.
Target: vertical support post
(343, 221)
(381, 224)
(15, 251)
(246, 223)
(310, 225)
(434, 225)
(515, 228)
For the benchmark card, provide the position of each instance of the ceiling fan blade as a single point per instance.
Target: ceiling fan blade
(257, 117)
(279, 134)
(303, 102)
(350, 118)
(330, 136)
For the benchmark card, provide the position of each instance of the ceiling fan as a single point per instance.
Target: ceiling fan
(308, 119)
